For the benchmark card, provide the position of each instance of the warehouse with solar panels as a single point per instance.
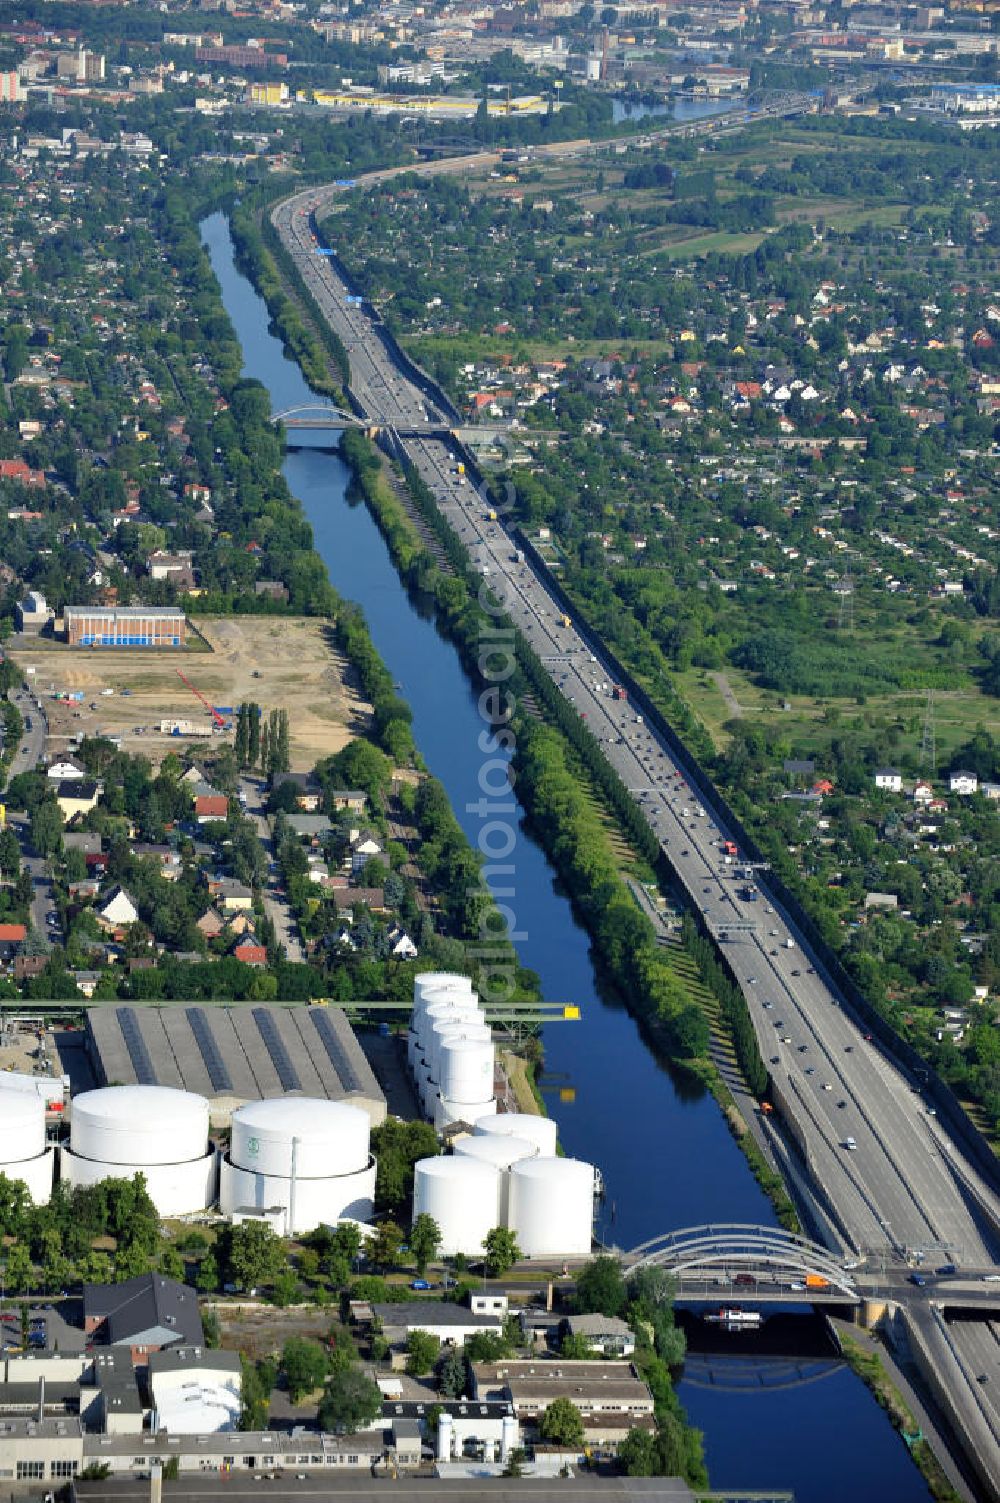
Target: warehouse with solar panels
(234, 1054)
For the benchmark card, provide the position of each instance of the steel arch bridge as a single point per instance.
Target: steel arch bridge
(317, 415)
(770, 1255)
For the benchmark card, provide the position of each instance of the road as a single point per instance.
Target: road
(894, 1184)
(30, 752)
(253, 797)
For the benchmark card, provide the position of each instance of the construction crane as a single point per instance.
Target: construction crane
(219, 721)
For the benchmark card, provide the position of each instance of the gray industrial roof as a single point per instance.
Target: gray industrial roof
(234, 1053)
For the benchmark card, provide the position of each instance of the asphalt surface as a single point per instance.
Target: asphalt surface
(895, 1185)
(276, 905)
(30, 753)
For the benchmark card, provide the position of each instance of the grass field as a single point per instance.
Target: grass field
(280, 662)
(957, 713)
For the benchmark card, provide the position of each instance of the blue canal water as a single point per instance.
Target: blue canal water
(667, 1157)
(675, 109)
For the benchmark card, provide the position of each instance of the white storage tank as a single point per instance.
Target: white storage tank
(139, 1124)
(443, 981)
(308, 1159)
(466, 1070)
(23, 1154)
(161, 1133)
(551, 1207)
(502, 1152)
(447, 1032)
(463, 1196)
(330, 1137)
(538, 1130)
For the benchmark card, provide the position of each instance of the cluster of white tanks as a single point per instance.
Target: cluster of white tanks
(508, 1174)
(307, 1157)
(307, 1160)
(23, 1153)
(156, 1131)
(450, 1050)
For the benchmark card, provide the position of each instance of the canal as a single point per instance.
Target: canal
(667, 1157)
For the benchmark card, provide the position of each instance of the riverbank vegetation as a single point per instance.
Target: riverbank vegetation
(869, 1368)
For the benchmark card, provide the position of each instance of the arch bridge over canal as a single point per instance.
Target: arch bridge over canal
(738, 1261)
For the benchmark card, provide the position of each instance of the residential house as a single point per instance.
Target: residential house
(12, 937)
(348, 798)
(65, 771)
(77, 796)
(307, 791)
(364, 849)
(210, 806)
(210, 924)
(118, 910)
(232, 896)
(250, 954)
(890, 779)
(605, 1334)
(963, 782)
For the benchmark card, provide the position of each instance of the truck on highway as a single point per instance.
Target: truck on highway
(730, 848)
(816, 1281)
(789, 943)
(564, 621)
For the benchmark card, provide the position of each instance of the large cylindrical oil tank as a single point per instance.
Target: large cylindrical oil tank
(501, 1151)
(329, 1137)
(466, 1070)
(22, 1127)
(463, 1196)
(156, 1131)
(136, 1125)
(551, 1207)
(446, 1031)
(23, 1154)
(538, 1130)
(439, 981)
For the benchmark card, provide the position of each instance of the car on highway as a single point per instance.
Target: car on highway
(420, 1284)
(919, 1279)
(850, 1144)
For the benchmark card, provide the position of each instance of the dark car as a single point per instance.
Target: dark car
(919, 1279)
(946, 1270)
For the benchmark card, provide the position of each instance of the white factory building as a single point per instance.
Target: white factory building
(310, 1161)
(162, 1134)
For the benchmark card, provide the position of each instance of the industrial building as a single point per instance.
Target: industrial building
(234, 1055)
(124, 626)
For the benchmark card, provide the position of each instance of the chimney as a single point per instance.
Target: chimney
(156, 1483)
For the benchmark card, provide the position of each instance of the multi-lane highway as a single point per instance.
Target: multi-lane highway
(895, 1185)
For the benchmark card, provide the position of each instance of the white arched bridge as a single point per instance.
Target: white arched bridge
(733, 1261)
(318, 415)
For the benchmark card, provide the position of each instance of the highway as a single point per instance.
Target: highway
(895, 1185)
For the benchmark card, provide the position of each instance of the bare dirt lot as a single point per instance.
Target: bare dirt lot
(280, 662)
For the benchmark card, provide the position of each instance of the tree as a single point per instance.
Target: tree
(421, 1353)
(637, 1454)
(425, 1239)
(562, 1424)
(600, 1288)
(384, 1246)
(451, 1374)
(351, 1401)
(502, 1251)
(207, 1280)
(256, 1254)
(19, 1272)
(303, 1363)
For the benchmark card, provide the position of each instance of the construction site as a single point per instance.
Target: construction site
(155, 703)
